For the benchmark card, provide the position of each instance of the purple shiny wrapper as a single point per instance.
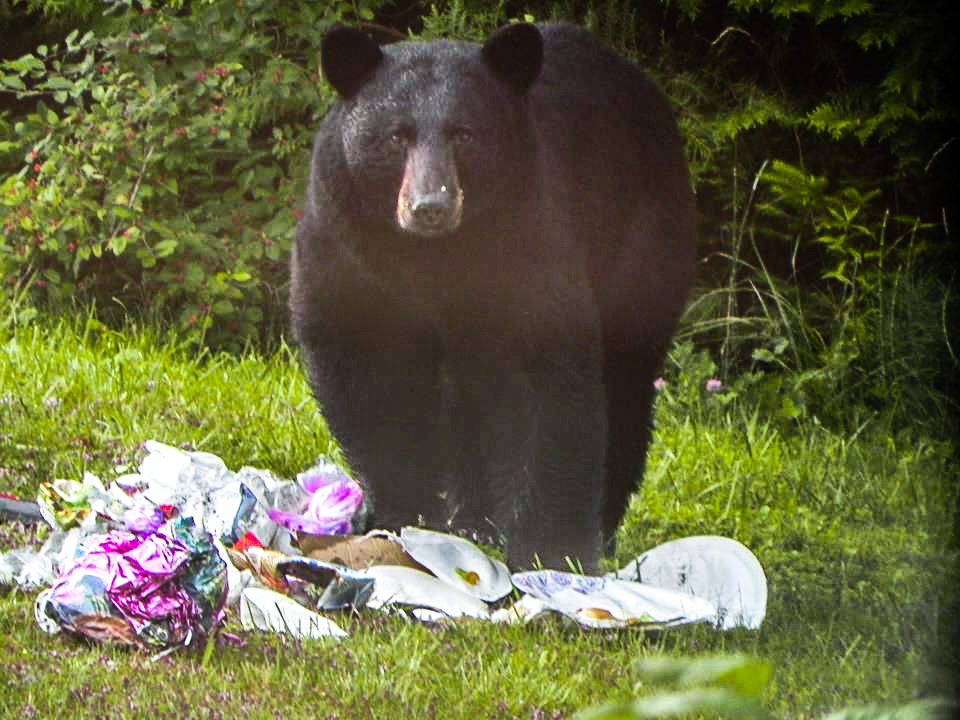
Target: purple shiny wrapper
(152, 590)
(334, 499)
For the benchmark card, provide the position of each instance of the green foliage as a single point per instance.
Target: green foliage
(733, 685)
(161, 167)
(75, 11)
(729, 686)
(463, 20)
(925, 709)
(856, 89)
(864, 341)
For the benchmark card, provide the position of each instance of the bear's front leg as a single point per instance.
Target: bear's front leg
(532, 453)
(558, 517)
(379, 392)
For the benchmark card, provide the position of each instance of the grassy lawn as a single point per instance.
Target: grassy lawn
(855, 535)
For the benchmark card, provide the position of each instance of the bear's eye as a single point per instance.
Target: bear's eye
(461, 136)
(401, 137)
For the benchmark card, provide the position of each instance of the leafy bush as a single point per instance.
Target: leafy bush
(162, 165)
(864, 340)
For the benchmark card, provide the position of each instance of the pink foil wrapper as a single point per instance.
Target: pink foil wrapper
(166, 586)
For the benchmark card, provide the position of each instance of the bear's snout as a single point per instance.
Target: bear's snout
(430, 201)
(432, 214)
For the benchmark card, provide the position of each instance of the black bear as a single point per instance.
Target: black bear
(497, 243)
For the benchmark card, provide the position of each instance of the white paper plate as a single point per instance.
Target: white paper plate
(397, 585)
(458, 562)
(715, 568)
(607, 602)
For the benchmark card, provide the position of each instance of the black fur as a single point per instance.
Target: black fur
(497, 243)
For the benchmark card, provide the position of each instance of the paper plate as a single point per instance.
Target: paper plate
(265, 610)
(607, 602)
(397, 585)
(715, 568)
(458, 562)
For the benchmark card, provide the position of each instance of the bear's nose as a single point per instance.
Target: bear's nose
(431, 213)
(432, 210)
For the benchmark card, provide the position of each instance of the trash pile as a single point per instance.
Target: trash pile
(154, 560)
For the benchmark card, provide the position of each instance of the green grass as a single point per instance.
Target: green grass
(74, 400)
(855, 535)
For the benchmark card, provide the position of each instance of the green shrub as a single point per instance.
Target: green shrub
(864, 340)
(161, 167)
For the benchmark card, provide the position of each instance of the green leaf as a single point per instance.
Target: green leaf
(13, 81)
(788, 408)
(194, 276)
(165, 247)
(26, 64)
(118, 243)
(926, 709)
(610, 711)
(222, 307)
(700, 701)
(741, 673)
(58, 83)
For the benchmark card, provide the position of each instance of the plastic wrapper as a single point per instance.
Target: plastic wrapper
(377, 586)
(347, 590)
(334, 499)
(65, 504)
(153, 590)
(262, 563)
(26, 569)
(170, 481)
(341, 586)
(32, 570)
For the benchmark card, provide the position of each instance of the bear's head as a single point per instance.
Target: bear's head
(435, 135)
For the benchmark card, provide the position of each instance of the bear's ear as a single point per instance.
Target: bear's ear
(347, 58)
(515, 54)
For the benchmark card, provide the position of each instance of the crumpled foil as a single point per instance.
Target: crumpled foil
(152, 590)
